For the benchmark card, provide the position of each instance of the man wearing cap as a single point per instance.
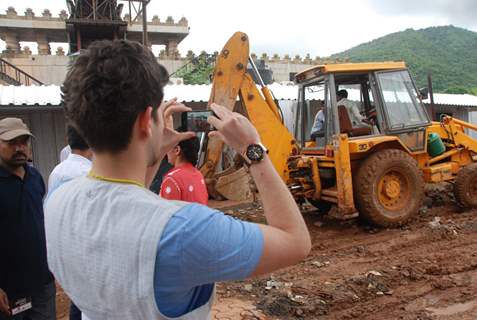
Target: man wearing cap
(27, 288)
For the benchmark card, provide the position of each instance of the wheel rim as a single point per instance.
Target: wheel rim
(393, 190)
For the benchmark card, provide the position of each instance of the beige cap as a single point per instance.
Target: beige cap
(11, 128)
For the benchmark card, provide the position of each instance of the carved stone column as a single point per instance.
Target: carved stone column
(43, 44)
(12, 43)
(171, 48)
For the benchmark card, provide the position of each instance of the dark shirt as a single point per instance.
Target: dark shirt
(157, 181)
(23, 263)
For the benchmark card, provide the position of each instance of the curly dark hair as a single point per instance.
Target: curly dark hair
(107, 87)
(75, 140)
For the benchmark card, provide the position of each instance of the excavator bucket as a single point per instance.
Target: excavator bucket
(234, 184)
(230, 68)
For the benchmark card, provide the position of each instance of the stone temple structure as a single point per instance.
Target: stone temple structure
(80, 27)
(86, 21)
(46, 28)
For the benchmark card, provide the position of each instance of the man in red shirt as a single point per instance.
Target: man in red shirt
(184, 182)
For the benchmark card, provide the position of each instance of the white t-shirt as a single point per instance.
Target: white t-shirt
(74, 166)
(65, 152)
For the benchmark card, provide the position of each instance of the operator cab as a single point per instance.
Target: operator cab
(360, 100)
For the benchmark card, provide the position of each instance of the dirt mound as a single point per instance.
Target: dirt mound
(424, 270)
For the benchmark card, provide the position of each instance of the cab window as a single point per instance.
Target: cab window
(400, 100)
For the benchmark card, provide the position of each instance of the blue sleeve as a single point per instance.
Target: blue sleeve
(200, 246)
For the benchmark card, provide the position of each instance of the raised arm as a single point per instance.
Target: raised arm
(286, 237)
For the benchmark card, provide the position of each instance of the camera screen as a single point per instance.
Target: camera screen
(197, 121)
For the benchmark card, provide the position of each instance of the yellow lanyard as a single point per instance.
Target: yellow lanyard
(124, 181)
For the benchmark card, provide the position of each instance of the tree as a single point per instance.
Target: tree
(457, 90)
(198, 70)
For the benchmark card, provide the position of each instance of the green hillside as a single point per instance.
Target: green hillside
(450, 53)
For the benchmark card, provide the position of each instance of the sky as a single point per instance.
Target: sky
(315, 27)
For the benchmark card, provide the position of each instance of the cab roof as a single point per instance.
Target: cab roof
(322, 69)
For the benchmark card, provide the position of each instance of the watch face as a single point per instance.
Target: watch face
(255, 152)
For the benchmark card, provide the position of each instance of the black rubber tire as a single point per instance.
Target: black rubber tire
(465, 186)
(368, 181)
(323, 206)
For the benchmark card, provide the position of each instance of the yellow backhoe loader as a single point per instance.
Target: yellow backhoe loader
(376, 168)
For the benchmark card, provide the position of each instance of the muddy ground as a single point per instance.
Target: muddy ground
(424, 270)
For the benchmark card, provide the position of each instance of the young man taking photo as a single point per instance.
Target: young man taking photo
(120, 251)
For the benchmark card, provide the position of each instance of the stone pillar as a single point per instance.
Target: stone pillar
(190, 55)
(11, 13)
(63, 15)
(46, 14)
(29, 14)
(60, 51)
(170, 20)
(171, 48)
(183, 22)
(307, 59)
(156, 20)
(27, 51)
(12, 43)
(43, 44)
(297, 59)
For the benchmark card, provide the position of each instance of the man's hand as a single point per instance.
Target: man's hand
(169, 137)
(4, 306)
(168, 120)
(233, 128)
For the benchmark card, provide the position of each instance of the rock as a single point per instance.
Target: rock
(321, 264)
(389, 292)
(295, 298)
(318, 224)
(273, 284)
(360, 249)
(299, 312)
(436, 223)
(380, 293)
(248, 287)
(374, 273)
(423, 211)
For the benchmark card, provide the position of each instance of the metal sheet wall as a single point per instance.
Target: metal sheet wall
(48, 127)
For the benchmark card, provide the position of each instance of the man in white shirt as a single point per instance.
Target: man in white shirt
(357, 120)
(65, 152)
(318, 125)
(77, 164)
